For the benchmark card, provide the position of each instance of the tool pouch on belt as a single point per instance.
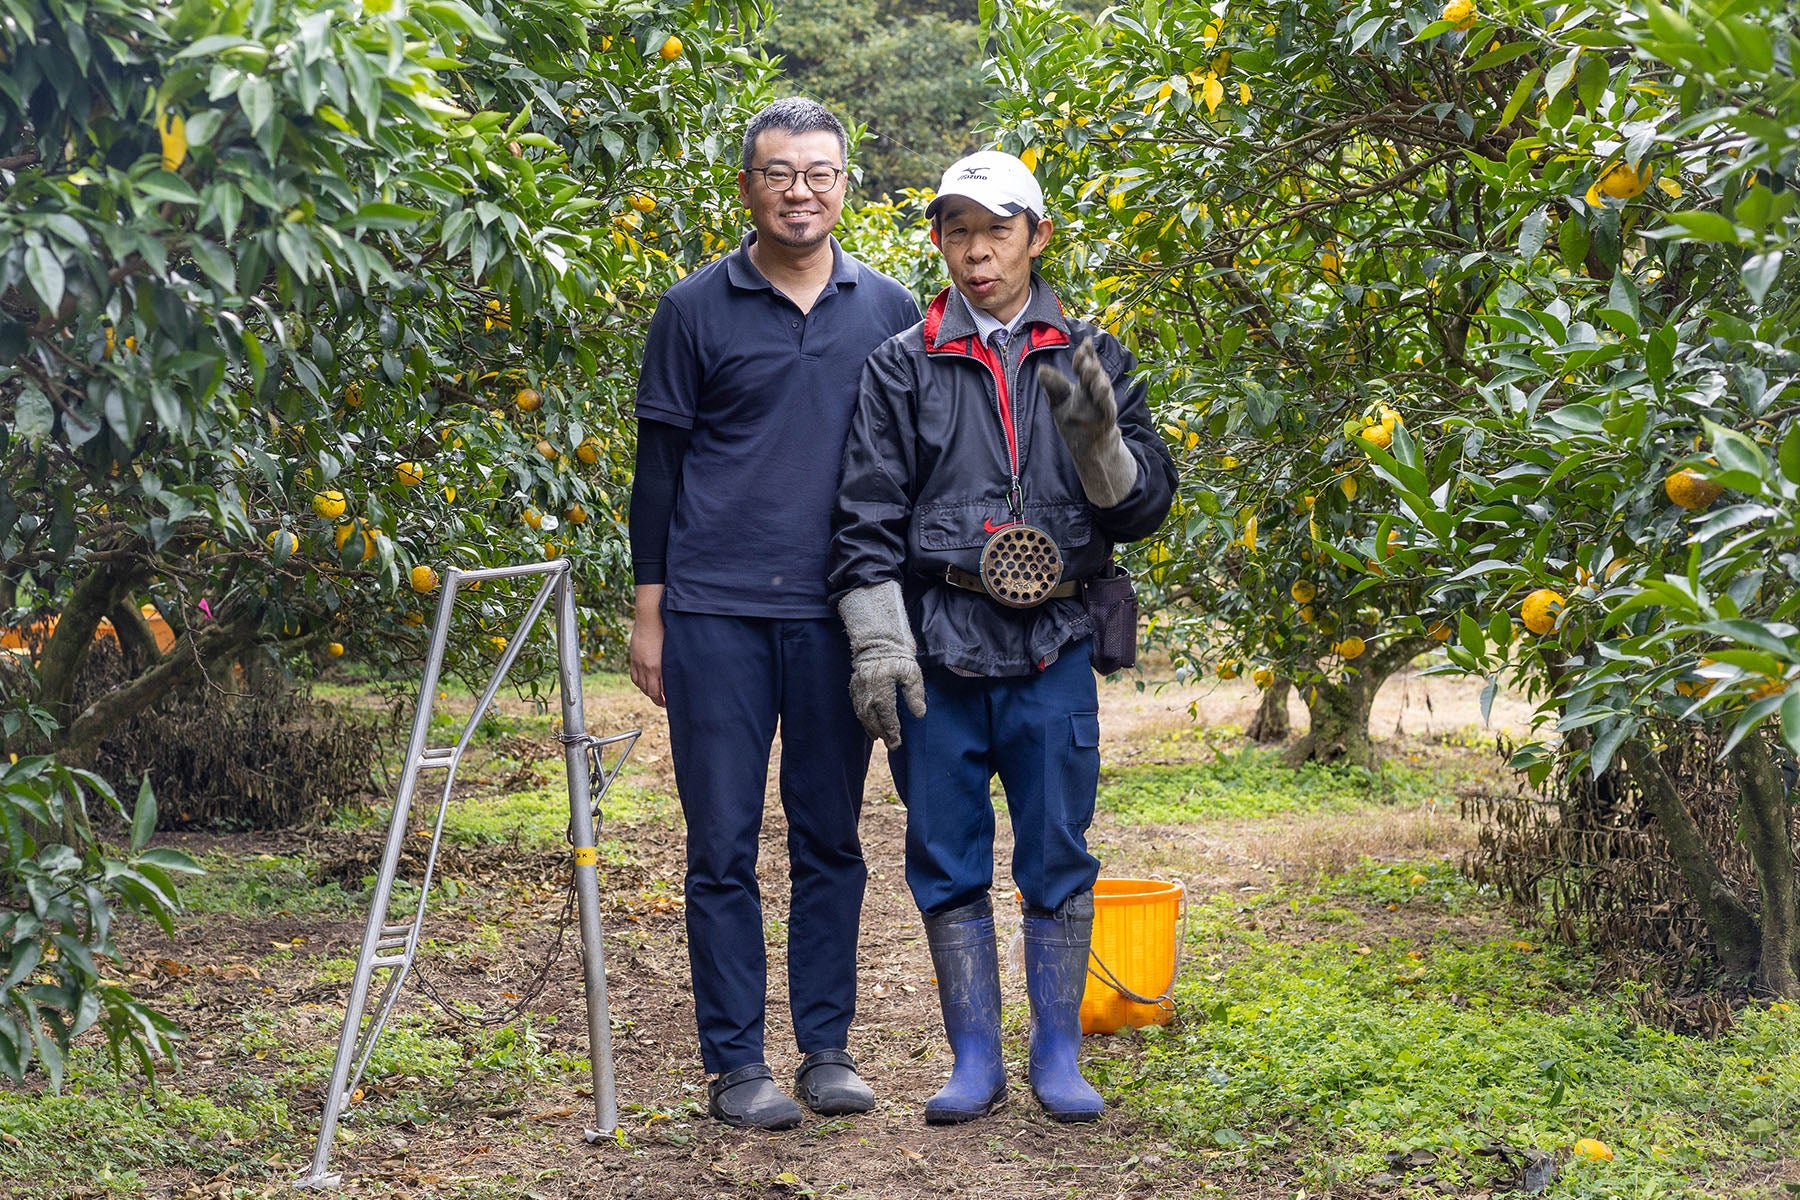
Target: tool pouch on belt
(1112, 607)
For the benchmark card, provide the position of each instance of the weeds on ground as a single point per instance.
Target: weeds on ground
(1337, 1055)
(1251, 783)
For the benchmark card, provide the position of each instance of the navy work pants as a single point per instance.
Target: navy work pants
(729, 681)
(1041, 735)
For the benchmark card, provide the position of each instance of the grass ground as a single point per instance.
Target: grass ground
(1355, 1017)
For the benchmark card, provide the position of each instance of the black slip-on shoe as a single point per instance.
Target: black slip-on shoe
(828, 1084)
(749, 1099)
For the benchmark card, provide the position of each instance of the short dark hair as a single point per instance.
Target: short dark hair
(796, 114)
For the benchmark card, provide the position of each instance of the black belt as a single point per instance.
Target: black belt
(956, 577)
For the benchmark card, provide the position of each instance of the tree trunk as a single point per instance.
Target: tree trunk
(1271, 723)
(185, 663)
(1763, 817)
(1730, 922)
(98, 592)
(1339, 711)
(136, 642)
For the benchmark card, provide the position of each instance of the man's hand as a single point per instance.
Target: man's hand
(647, 643)
(883, 659)
(1087, 416)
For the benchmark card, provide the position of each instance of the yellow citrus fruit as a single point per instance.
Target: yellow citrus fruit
(1594, 1150)
(1262, 677)
(534, 518)
(282, 541)
(498, 644)
(413, 618)
(329, 505)
(1622, 183)
(1350, 647)
(1690, 489)
(552, 550)
(576, 514)
(424, 579)
(1228, 462)
(588, 452)
(335, 649)
(1417, 880)
(1303, 591)
(642, 202)
(1306, 613)
(1461, 12)
(670, 50)
(547, 450)
(1380, 434)
(1540, 610)
(173, 129)
(1228, 670)
(1348, 486)
(1440, 631)
(527, 400)
(410, 474)
(353, 395)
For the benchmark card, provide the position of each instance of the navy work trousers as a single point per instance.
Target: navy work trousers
(1041, 735)
(729, 681)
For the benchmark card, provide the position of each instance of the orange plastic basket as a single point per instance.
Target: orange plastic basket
(1136, 954)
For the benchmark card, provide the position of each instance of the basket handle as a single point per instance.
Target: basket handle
(1105, 974)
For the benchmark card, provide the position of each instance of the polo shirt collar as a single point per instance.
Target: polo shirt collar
(741, 269)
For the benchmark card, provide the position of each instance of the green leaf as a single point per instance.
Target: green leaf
(387, 216)
(1790, 721)
(168, 186)
(143, 817)
(44, 270)
(1572, 241)
(1560, 73)
(1699, 227)
(1521, 93)
(1759, 273)
(1789, 454)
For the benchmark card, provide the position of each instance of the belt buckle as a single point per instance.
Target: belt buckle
(1020, 566)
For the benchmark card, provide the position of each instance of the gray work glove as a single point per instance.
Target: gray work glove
(1087, 416)
(883, 657)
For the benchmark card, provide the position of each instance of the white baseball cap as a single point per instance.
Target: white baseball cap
(993, 179)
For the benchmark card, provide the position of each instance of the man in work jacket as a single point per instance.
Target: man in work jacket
(998, 413)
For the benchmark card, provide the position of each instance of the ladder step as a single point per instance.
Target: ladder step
(442, 757)
(391, 943)
(387, 960)
(388, 931)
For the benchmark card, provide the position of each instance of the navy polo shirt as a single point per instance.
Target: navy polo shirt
(767, 392)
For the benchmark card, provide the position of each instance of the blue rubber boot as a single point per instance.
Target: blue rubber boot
(967, 960)
(1056, 968)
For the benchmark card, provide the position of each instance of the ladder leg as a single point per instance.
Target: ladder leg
(587, 886)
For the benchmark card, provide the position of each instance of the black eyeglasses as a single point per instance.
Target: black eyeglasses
(780, 178)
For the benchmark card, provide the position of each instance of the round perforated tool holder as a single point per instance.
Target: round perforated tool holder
(1020, 565)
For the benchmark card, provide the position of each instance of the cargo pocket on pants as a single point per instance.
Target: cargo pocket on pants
(1081, 779)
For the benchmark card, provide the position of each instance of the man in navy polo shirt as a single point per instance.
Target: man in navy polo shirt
(749, 378)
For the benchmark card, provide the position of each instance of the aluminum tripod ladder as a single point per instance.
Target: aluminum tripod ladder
(390, 945)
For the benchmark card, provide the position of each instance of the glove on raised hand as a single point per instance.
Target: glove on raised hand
(1087, 416)
(883, 657)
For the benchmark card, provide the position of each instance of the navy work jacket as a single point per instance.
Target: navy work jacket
(939, 425)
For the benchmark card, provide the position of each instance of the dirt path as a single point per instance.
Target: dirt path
(464, 1144)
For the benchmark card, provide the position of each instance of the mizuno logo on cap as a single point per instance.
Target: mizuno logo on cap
(973, 173)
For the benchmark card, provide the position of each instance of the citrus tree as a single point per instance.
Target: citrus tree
(1464, 315)
(1625, 499)
(299, 303)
